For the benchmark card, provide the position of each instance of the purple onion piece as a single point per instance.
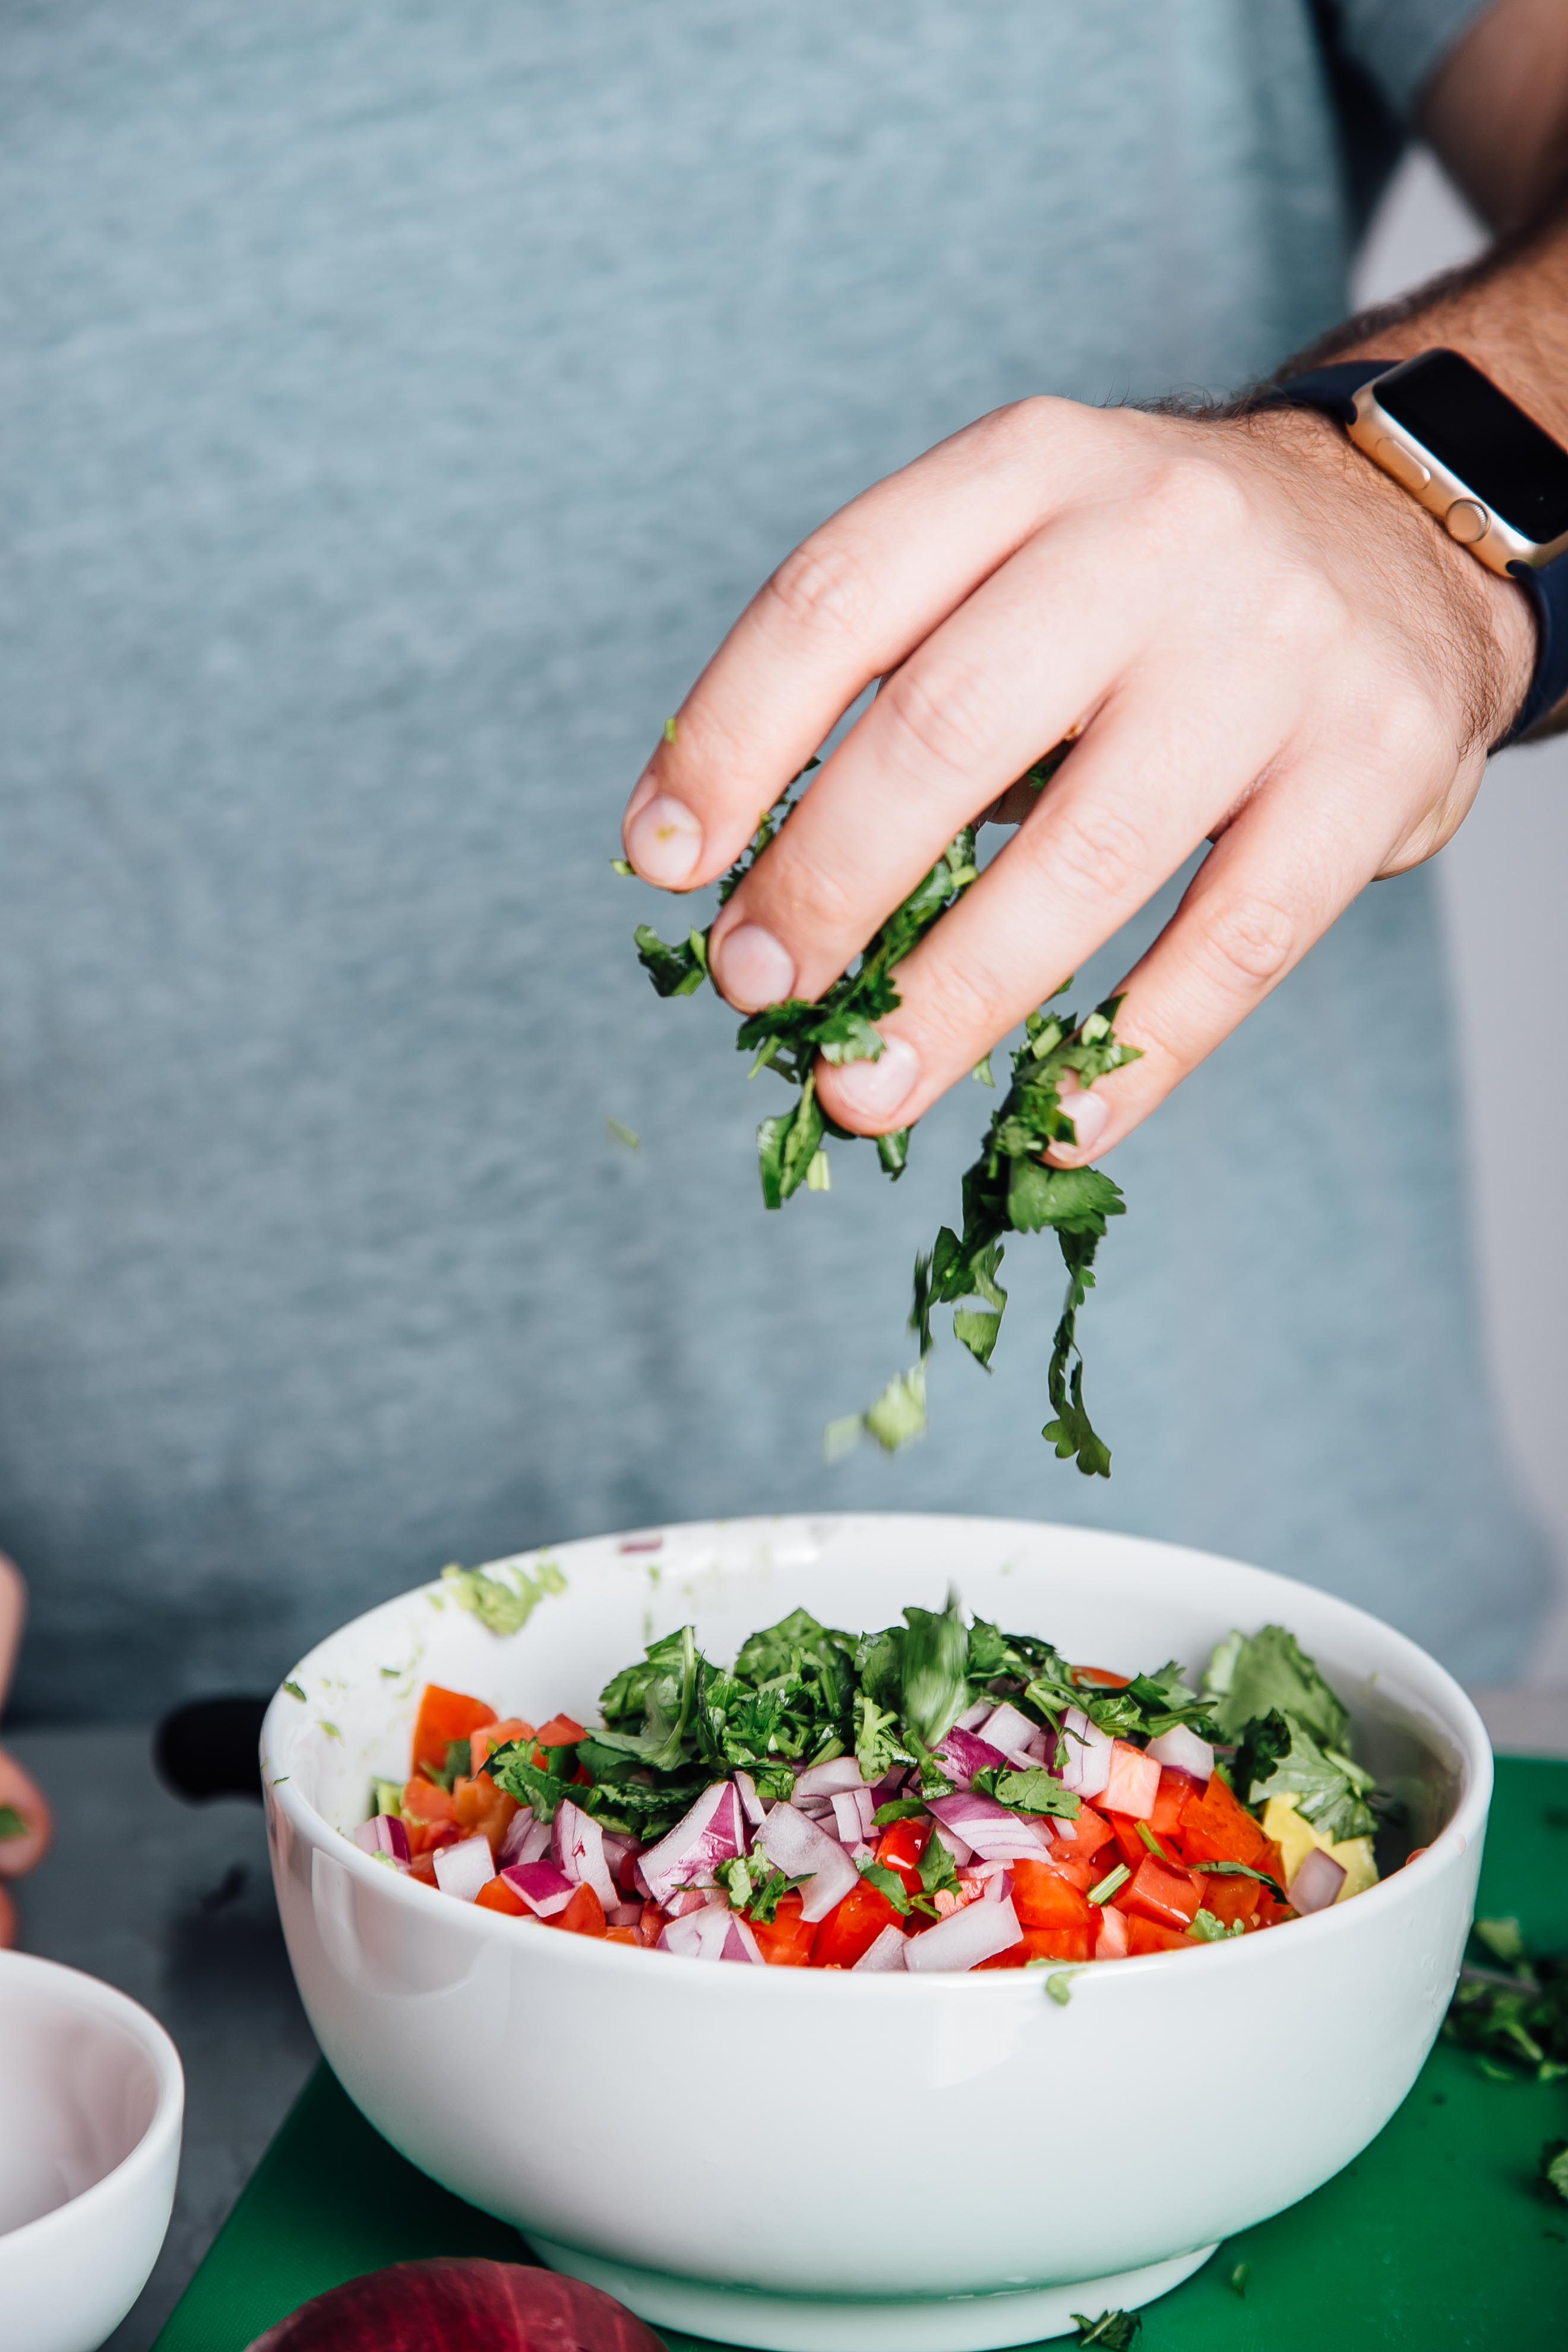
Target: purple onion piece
(526, 1840)
(887, 1953)
(1315, 1885)
(961, 1755)
(463, 1869)
(964, 1938)
(384, 1835)
(543, 1887)
(1083, 1754)
(578, 1846)
(714, 1830)
(828, 1780)
(1183, 1751)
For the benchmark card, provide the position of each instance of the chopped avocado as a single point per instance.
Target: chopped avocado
(1296, 1839)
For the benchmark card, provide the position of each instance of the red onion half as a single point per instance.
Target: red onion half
(454, 2306)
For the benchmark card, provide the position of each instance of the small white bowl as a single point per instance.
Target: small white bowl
(818, 2162)
(91, 2098)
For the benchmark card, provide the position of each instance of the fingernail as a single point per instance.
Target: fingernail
(875, 1089)
(1089, 1115)
(664, 842)
(753, 968)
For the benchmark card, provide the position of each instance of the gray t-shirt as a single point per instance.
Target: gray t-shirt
(396, 405)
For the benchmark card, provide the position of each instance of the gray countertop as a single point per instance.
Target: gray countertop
(173, 1903)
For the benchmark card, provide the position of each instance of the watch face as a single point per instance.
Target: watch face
(1479, 435)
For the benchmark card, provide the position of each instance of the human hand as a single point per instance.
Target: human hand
(21, 1798)
(1264, 642)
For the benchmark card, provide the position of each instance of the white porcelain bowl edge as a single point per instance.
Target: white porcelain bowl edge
(92, 2102)
(757, 2136)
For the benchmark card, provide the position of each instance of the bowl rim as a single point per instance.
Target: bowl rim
(75, 1991)
(1460, 1719)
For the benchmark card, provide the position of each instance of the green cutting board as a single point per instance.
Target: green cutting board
(1438, 2237)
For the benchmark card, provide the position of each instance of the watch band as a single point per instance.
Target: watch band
(1333, 388)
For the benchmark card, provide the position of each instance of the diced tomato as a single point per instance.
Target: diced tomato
(445, 1716)
(1083, 1835)
(1130, 1846)
(1145, 1936)
(426, 1801)
(622, 1936)
(1102, 1675)
(1134, 1781)
(491, 1736)
(427, 1837)
(653, 1923)
(560, 1731)
(584, 1915)
(480, 1806)
(1230, 1899)
(851, 1927)
(422, 1866)
(1072, 1945)
(1111, 1943)
(785, 1939)
(1269, 1912)
(1042, 1898)
(497, 1895)
(1170, 1897)
(1171, 1800)
(901, 1847)
(1216, 1827)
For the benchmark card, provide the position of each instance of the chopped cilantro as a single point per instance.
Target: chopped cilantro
(386, 1797)
(459, 1756)
(330, 1728)
(626, 1137)
(1257, 1674)
(1210, 1930)
(294, 1691)
(1108, 1885)
(12, 1824)
(1510, 2006)
(1034, 1790)
(1280, 1758)
(1155, 1848)
(1504, 1940)
(1010, 1188)
(938, 1870)
(1113, 2331)
(1555, 2168)
(503, 1608)
(899, 1808)
(1238, 2279)
(1058, 1985)
(888, 1882)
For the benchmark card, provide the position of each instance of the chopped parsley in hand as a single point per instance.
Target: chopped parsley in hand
(1010, 1189)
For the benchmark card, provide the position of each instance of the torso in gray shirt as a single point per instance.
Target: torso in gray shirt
(395, 405)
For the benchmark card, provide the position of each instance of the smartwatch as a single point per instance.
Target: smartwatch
(1492, 477)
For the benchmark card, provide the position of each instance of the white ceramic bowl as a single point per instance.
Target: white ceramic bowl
(91, 2097)
(792, 2159)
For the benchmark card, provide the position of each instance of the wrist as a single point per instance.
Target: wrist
(1472, 628)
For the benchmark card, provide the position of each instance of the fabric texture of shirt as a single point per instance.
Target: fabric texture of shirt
(396, 406)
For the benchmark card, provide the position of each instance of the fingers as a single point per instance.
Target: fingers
(843, 610)
(1000, 679)
(1136, 797)
(21, 1800)
(13, 1611)
(1277, 879)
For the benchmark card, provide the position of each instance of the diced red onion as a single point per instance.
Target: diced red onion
(526, 1840)
(461, 1870)
(995, 1880)
(1083, 1754)
(1133, 1784)
(829, 1779)
(384, 1834)
(579, 1851)
(623, 1914)
(543, 1887)
(955, 1845)
(816, 1809)
(888, 1787)
(961, 1755)
(1012, 1733)
(712, 1933)
(1183, 1751)
(852, 1816)
(1317, 1884)
(713, 1830)
(994, 1833)
(691, 1898)
(751, 1803)
(974, 1716)
(798, 1847)
(964, 1938)
(886, 1953)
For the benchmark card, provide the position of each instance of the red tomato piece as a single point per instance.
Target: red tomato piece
(851, 1927)
(425, 1801)
(1130, 1846)
(1216, 1827)
(1102, 1675)
(1072, 1945)
(491, 1736)
(786, 1939)
(1111, 1943)
(1169, 1898)
(901, 1847)
(1083, 1835)
(497, 1895)
(1145, 1936)
(445, 1716)
(560, 1731)
(1230, 1899)
(622, 1936)
(480, 1806)
(1171, 1800)
(1042, 1898)
(584, 1915)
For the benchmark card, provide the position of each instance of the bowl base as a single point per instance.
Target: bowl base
(789, 2323)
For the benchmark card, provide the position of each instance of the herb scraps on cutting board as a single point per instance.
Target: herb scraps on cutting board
(1510, 2007)
(1010, 1188)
